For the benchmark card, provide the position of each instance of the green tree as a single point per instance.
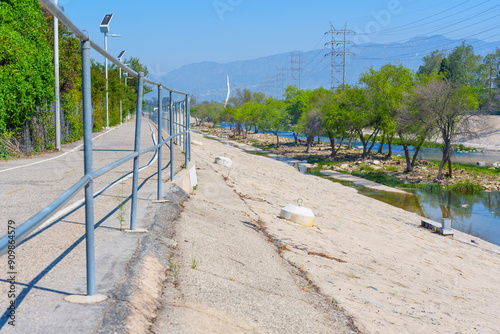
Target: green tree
(273, 117)
(296, 104)
(335, 120)
(355, 102)
(386, 90)
(463, 67)
(310, 123)
(26, 69)
(431, 63)
(135, 64)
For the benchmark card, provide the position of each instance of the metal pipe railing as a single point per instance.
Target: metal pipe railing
(24, 230)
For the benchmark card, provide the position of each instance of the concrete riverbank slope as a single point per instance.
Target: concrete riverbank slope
(371, 259)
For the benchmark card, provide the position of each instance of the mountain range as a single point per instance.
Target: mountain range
(207, 80)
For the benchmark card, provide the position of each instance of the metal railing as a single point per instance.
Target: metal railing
(179, 130)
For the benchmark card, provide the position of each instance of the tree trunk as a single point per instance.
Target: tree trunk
(450, 169)
(296, 137)
(417, 149)
(350, 141)
(332, 144)
(277, 140)
(381, 147)
(409, 165)
(440, 171)
(319, 140)
(365, 144)
(373, 142)
(389, 153)
(310, 139)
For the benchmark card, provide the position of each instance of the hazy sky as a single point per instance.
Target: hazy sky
(168, 34)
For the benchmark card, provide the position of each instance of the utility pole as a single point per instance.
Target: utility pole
(344, 53)
(293, 68)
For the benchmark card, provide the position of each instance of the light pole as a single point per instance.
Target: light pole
(56, 75)
(120, 56)
(105, 29)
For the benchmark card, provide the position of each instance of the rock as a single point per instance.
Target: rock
(481, 164)
(496, 164)
(376, 162)
(344, 166)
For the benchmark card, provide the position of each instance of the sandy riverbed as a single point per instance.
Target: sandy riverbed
(390, 274)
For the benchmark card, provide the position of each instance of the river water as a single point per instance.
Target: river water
(477, 215)
(428, 153)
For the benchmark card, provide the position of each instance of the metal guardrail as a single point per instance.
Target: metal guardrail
(179, 128)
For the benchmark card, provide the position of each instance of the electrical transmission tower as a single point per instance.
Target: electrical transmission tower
(344, 53)
(295, 66)
(280, 82)
(268, 86)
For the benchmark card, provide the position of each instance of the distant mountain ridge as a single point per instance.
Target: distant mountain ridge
(207, 80)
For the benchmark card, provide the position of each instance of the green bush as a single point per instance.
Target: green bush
(465, 187)
(366, 168)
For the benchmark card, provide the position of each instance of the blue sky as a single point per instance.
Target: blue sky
(168, 34)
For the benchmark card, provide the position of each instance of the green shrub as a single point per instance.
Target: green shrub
(465, 187)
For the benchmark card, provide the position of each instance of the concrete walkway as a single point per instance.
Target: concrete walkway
(226, 277)
(51, 263)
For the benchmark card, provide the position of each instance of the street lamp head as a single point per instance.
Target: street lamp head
(114, 35)
(105, 23)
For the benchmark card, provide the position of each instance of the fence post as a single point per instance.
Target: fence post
(184, 116)
(87, 149)
(188, 115)
(137, 147)
(91, 296)
(160, 149)
(171, 112)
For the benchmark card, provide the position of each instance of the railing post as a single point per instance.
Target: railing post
(88, 166)
(160, 149)
(188, 114)
(137, 147)
(171, 112)
(91, 296)
(184, 116)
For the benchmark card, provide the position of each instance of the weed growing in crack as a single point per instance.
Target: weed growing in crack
(194, 262)
(121, 209)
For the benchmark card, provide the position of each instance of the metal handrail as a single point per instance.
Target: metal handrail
(183, 119)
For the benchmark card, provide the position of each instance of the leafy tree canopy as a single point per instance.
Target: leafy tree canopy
(26, 69)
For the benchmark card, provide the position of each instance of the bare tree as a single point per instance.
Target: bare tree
(448, 109)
